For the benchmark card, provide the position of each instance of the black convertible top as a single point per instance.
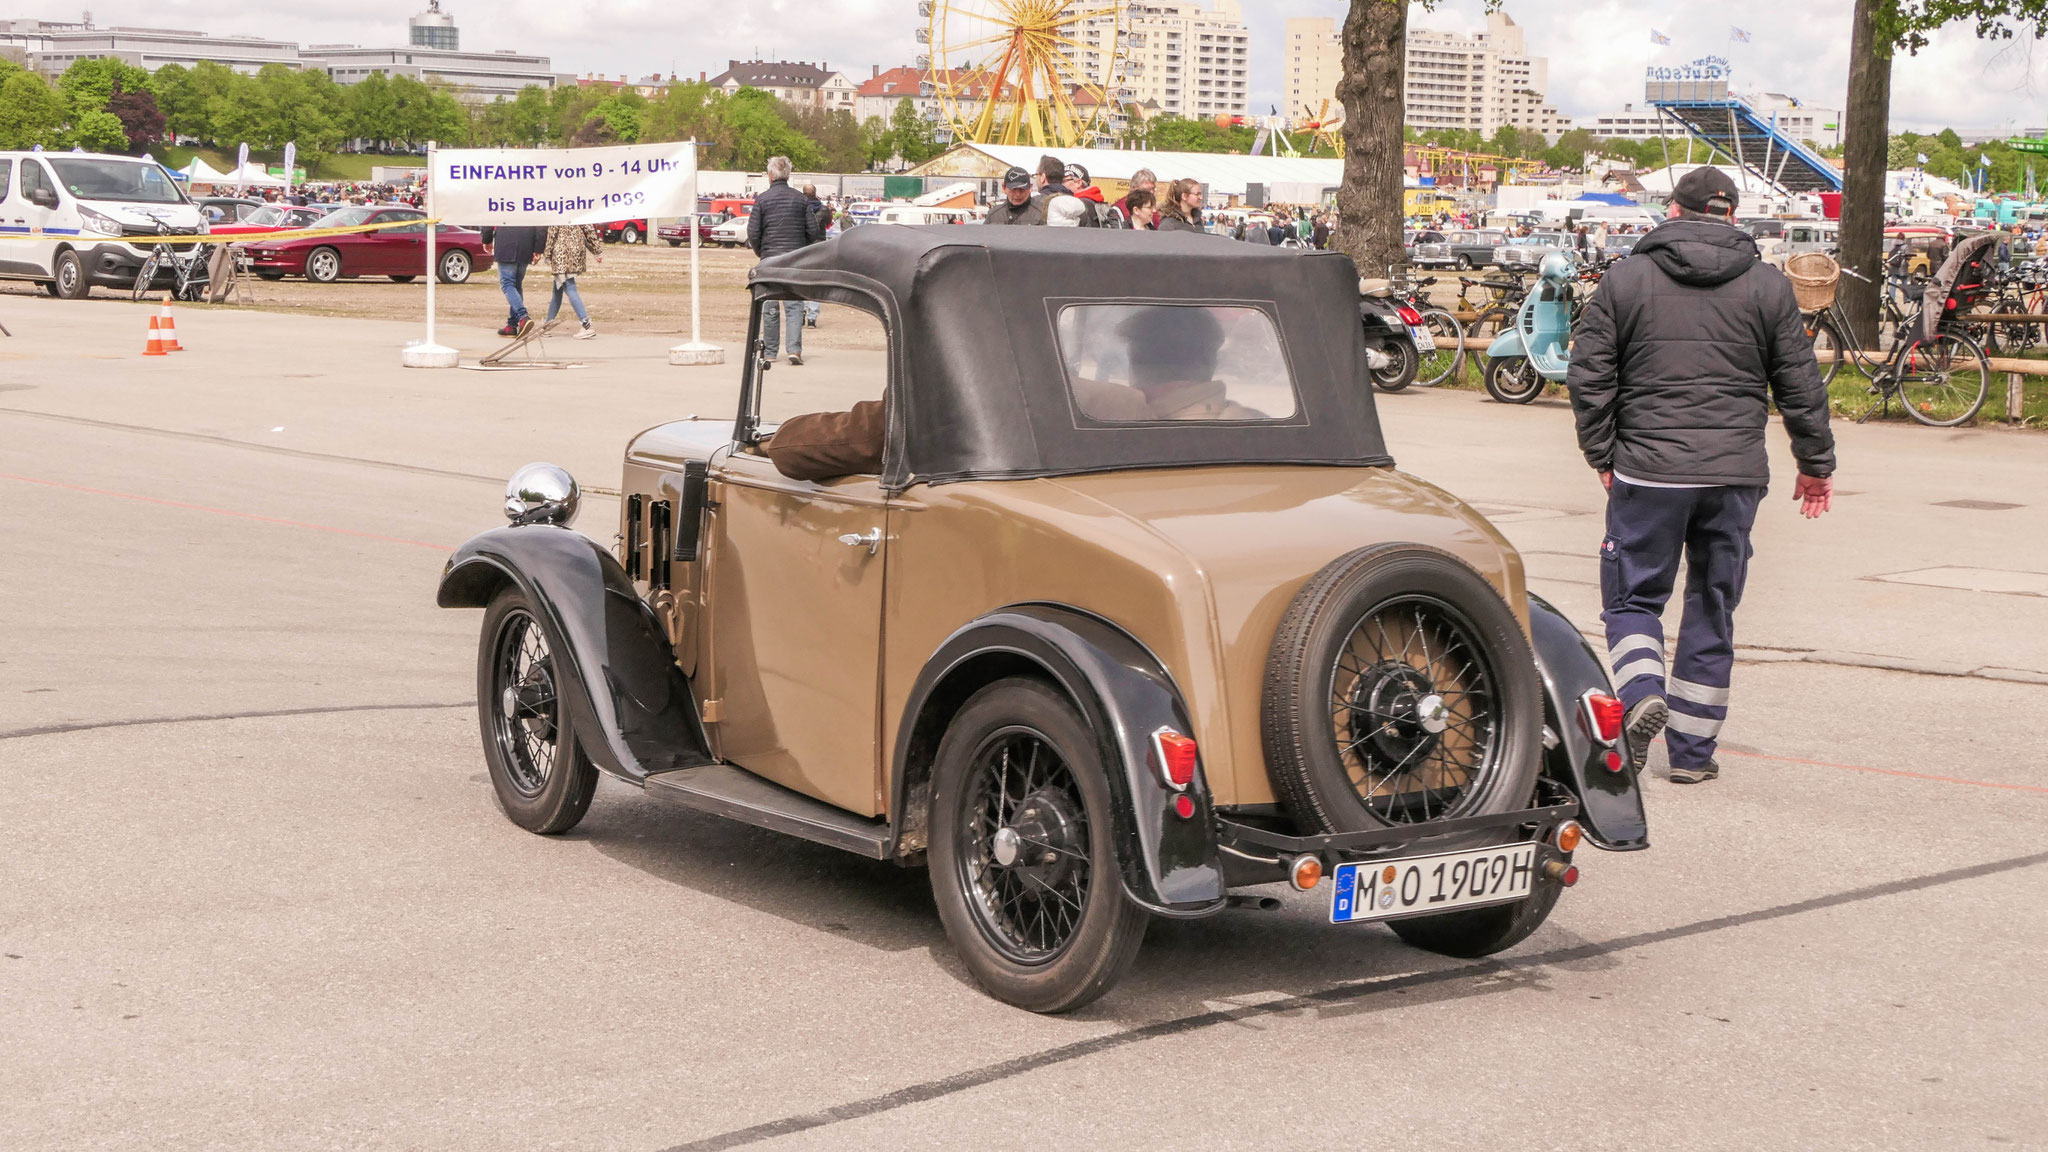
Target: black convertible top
(977, 387)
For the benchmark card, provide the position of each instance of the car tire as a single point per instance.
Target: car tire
(543, 780)
(1512, 380)
(270, 275)
(403, 279)
(71, 282)
(1464, 263)
(323, 265)
(629, 235)
(675, 243)
(1401, 373)
(1446, 737)
(454, 267)
(1478, 932)
(1016, 943)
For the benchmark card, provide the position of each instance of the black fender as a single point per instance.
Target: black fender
(630, 705)
(1171, 866)
(1610, 803)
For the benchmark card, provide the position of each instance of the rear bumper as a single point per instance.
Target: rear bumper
(1255, 855)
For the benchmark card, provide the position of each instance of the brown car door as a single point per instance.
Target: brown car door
(795, 629)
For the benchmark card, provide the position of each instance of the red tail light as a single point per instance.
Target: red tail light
(1409, 315)
(1176, 755)
(1603, 717)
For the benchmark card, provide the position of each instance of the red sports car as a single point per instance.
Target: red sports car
(399, 252)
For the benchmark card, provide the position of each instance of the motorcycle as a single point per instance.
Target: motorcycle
(1396, 339)
(1535, 350)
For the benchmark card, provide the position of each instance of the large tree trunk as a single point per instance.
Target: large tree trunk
(1863, 158)
(1371, 90)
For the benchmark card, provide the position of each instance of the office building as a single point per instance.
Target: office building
(1479, 82)
(53, 47)
(1189, 59)
(477, 77)
(434, 29)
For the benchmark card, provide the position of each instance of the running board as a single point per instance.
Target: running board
(723, 790)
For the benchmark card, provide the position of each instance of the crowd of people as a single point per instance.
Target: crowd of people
(1062, 195)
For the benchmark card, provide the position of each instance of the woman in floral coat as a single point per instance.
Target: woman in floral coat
(568, 246)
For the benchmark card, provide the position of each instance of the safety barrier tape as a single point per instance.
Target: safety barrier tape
(282, 234)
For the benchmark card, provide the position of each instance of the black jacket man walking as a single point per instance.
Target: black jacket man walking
(1674, 366)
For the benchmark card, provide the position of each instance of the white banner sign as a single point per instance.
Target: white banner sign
(563, 185)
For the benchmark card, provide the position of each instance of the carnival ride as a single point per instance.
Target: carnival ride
(1038, 72)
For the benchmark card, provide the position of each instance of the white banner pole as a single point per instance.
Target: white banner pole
(696, 351)
(430, 354)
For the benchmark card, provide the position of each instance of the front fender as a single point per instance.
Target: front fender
(1508, 343)
(1610, 803)
(1170, 865)
(631, 706)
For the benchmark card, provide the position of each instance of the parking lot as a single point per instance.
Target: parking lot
(259, 894)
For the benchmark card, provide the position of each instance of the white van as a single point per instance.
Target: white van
(62, 213)
(917, 214)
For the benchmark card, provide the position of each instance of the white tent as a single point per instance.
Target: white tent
(200, 172)
(250, 175)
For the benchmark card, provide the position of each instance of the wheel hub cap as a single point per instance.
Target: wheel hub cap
(1398, 705)
(1044, 838)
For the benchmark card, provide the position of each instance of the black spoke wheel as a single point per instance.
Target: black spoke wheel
(1828, 346)
(1023, 860)
(542, 778)
(1400, 690)
(1943, 380)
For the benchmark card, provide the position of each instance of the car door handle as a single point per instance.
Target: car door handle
(873, 540)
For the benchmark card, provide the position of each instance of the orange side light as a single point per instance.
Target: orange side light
(1568, 835)
(1306, 873)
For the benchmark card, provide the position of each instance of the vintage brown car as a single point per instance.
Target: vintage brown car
(1135, 612)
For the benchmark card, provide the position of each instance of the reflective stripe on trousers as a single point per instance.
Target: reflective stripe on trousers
(1651, 533)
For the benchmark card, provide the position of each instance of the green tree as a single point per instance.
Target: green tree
(527, 117)
(1570, 150)
(98, 131)
(623, 113)
(915, 139)
(754, 129)
(88, 84)
(372, 110)
(223, 92)
(877, 143)
(30, 113)
(686, 111)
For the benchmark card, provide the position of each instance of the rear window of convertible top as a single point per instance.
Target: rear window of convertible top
(1153, 363)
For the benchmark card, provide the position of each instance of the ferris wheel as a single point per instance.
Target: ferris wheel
(1039, 72)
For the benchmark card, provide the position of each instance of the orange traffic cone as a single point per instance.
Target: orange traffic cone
(156, 342)
(169, 328)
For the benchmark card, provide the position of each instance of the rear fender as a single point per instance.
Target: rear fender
(630, 705)
(1610, 803)
(1170, 865)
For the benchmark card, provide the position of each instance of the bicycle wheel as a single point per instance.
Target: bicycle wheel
(1449, 356)
(1828, 346)
(147, 274)
(2014, 336)
(1942, 380)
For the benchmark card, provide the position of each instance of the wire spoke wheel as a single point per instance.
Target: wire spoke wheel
(1943, 380)
(525, 709)
(1024, 847)
(1039, 72)
(1442, 364)
(1413, 709)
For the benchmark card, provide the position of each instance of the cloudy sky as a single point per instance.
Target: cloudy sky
(1597, 48)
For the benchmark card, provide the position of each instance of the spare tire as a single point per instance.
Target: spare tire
(1400, 690)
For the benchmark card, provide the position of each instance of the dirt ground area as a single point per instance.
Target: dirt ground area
(637, 290)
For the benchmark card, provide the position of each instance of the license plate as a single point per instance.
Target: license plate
(1425, 340)
(1386, 889)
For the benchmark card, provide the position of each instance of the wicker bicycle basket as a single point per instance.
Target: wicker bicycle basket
(1814, 276)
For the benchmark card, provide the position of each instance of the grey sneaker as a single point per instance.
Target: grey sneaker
(1644, 721)
(796, 359)
(1699, 775)
(586, 333)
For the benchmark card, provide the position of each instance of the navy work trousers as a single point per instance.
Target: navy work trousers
(1650, 532)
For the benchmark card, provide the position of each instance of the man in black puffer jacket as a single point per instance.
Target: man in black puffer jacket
(782, 221)
(1674, 366)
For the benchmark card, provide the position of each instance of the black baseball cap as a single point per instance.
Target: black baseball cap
(1700, 189)
(1016, 178)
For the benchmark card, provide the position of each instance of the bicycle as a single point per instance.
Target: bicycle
(1444, 329)
(189, 271)
(1940, 380)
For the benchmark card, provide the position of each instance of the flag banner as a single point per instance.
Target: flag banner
(563, 185)
(1738, 34)
(1657, 37)
(1920, 157)
(291, 156)
(1984, 161)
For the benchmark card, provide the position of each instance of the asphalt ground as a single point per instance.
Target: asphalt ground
(258, 895)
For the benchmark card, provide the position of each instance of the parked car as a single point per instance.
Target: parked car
(1620, 244)
(731, 234)
(1460, 250)
(268, 218)
(1090, 646)
(399, 251)
(1526, 253)
(64, 215)
(220, 210)
(626, 232)
(677, 236)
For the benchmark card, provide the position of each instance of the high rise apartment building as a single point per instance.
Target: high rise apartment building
(1189, 59)
(1479, 82)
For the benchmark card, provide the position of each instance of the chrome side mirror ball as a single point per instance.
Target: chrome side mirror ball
(541, 493)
